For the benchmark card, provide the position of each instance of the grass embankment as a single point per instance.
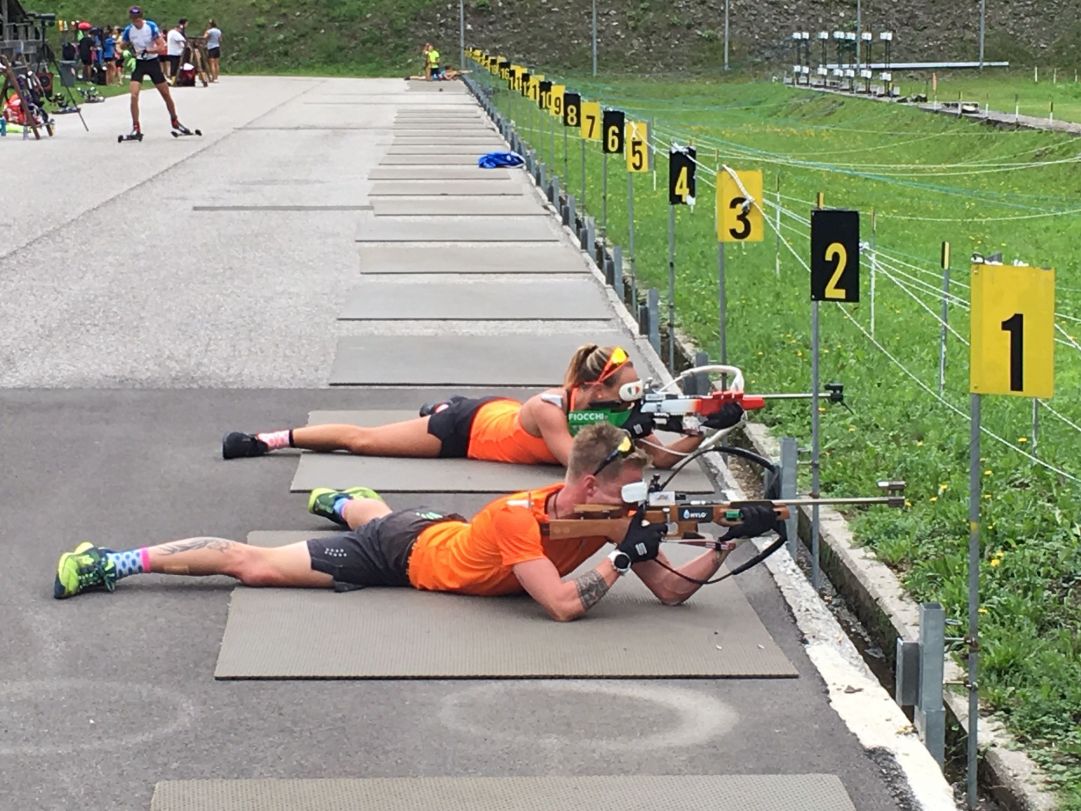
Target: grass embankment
(311, 37)
(928, 179)
(1008, 91)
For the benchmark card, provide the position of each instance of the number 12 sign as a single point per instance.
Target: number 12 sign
(1013, 331)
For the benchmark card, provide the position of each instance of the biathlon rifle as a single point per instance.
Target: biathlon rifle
(685, 516)
(671, 409)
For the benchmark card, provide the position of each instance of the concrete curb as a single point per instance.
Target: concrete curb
(887, 612)
(881, 603)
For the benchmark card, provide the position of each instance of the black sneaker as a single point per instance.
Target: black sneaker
(237, 445)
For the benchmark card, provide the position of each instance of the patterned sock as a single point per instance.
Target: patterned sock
(340, 501)
(133, 561)
(277, 439)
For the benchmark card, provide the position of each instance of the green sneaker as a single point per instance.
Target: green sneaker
(82, 570)
(322, 500)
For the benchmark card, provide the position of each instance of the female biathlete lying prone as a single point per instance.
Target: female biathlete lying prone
(498, 429)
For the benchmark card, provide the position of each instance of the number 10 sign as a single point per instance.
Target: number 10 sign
(1013, 331)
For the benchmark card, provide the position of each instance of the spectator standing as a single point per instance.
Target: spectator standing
(86, 56)
(108, 54)
(213, 49)
(175, 44)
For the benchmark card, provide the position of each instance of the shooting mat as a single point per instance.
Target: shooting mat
(435, 188)
(537, 258)
(431, 173)
(429, 160)
(534, 361)
(746, 792)
(458, 207)
(395, 475)
(401, 633)
(456, 229)
(573, 299)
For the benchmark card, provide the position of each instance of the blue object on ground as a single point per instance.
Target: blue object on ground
(496, 160)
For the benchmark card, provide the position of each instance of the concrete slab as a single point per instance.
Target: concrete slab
(821, 792)
(396, 475)
(457, 188)
(429, 160)
(539, 258)
(463, 360)
(458, 207)
(451, 128)
(474, 150)
(430, 173)
(153, 644)
(456, 229)
(574, 299)
(317, 633)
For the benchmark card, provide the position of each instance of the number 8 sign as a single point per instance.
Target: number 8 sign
(1013, 331)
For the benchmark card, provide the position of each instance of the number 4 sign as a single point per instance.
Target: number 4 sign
(1013, 331)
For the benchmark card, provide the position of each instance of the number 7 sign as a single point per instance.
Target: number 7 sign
(1013, 331)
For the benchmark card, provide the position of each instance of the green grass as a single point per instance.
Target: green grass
(1007, 92)
(309, 37)
(879, 157)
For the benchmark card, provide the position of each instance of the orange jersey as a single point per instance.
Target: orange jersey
(478, 557)
(498, 436)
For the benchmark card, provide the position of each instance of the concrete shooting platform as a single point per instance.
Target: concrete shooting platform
(481, 258)
(456, 229)
(463, 360)
(436, 188)
(117, 385)
(458, 207)
(568, 299)
(430, 173)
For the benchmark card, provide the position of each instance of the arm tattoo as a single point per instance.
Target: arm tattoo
(189, 544)
(591, 587)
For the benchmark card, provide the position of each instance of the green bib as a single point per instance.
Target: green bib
(577, 420)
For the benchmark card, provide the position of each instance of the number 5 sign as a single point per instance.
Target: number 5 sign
(1013, 331)
(737, 220)
(835, 255)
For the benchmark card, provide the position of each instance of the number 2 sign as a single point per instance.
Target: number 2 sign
(835, 255)
(1013, 331)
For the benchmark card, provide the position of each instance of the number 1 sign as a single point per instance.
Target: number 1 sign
(1013, 331)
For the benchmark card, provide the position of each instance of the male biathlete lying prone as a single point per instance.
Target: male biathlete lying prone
(498, 429)
(501, 551)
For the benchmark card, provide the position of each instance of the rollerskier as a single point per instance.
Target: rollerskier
(145, 40)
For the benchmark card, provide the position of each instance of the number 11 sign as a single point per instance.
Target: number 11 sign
(1013, 331)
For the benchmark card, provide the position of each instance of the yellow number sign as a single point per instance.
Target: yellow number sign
(555, 100)
(737, 221)
(591, 120)
(637, 146)
(1013, 331)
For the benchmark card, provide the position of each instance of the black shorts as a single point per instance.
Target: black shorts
(454, 425)
(214, 53)
(376, 554)
(174, 62)
(150, 68)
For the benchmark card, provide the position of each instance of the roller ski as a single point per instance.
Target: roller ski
(135, 135)
(179, 130)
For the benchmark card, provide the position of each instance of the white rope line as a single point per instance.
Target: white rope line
(924, 386)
